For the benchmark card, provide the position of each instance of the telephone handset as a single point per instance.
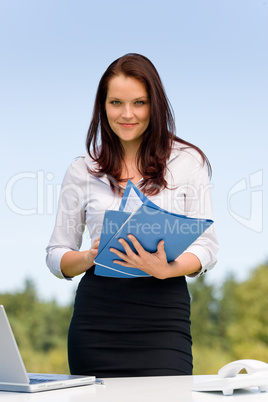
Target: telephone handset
(228, 378)
(251, 366)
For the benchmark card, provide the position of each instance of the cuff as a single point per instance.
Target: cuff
(53, 260)
(206, 260)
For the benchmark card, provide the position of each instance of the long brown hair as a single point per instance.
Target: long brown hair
(105, 148)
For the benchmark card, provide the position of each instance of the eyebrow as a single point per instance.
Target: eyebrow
(140, 97)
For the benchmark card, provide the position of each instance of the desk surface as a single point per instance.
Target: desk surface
(139, 389)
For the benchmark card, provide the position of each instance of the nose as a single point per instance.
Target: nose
(127, 112)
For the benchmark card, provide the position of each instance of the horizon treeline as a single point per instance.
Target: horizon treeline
(228, 323)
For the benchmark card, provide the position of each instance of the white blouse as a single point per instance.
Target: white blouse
(84, 199)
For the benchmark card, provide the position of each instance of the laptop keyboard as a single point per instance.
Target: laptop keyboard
(39, 380)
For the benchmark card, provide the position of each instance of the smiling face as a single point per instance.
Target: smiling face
(128, 109)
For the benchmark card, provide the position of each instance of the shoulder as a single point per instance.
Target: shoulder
(77, 171)
(183, 153)
(186, 160)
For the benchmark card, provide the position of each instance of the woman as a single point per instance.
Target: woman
(131, 327)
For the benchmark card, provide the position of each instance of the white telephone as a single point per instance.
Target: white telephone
(228, 378)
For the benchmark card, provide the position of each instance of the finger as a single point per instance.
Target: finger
(95, 245)
(136, 244)
(97, 240)
(94, 251)
(127, 248)
(161, 253)
(124, 264)
(124, 258)
(161, 246)
(119, 253)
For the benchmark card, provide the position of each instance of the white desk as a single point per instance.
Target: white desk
(139, 389)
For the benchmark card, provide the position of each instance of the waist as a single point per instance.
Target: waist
(140, 284)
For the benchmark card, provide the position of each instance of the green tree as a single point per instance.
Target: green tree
(228, 323)
(204, 312)
(248, 332)
(40, 329)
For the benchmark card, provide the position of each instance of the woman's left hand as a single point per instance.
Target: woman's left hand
(154, 264)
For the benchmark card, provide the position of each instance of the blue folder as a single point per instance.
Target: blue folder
(149, 224)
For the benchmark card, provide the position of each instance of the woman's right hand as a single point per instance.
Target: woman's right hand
(93, 251)
(74, 263)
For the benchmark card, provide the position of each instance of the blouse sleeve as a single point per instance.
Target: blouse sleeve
(198, 204)
(70, 221)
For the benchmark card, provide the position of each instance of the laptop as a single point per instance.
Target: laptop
(13, 375)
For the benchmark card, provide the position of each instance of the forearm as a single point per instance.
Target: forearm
(186, 264)
(74, 263)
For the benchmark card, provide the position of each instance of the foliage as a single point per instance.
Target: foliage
(40, 329)
(232, 325)
(228, 323)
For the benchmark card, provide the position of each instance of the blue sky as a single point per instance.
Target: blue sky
(212, 56)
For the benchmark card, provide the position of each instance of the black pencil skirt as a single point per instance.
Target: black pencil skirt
(130, 327)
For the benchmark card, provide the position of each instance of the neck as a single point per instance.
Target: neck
(130, 149)
(129, 169)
